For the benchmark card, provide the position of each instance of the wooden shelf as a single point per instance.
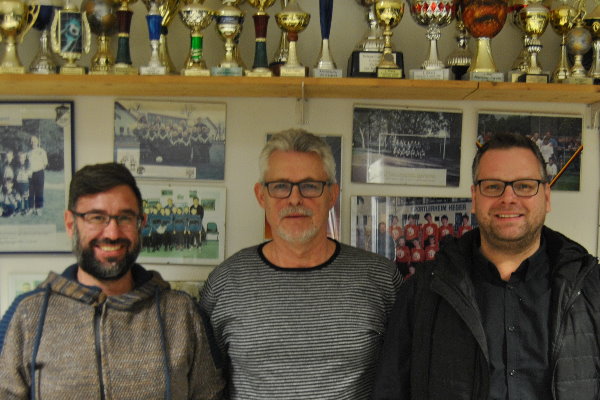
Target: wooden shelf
(359, 88)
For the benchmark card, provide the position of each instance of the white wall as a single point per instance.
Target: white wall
(249, 119)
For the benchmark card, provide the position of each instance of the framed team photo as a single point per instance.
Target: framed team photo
(169, 139)
(557, 136)
(36, 165)
(402, 146)
(186, 223)
(408, 230)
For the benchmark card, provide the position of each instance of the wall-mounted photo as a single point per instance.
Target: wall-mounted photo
(406, 147)
(186, 223)
(408, 230)
(36, 164)
(557, 136)
(168, 139)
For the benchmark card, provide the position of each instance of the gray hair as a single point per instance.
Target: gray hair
(301, 141)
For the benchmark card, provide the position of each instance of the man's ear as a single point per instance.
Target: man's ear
(259, 193)
(69, 222)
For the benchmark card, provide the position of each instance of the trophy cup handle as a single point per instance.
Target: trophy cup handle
(54, 38)
(33, 11)
(87, 34)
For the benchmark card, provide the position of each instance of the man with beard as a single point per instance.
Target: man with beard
(301, 316)
(508, 311)
(106, 327)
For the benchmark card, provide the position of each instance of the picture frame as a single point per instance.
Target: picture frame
(408, 230)
(192, 231)
(171, 139)
(398, 145)
(36, 152)
(559, 138)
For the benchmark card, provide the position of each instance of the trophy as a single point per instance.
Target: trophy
(460, 59)
(70, 37)
(434, 14)
(156, 65)
(388, 14)
(592, 21)
(562, 16)
(326, 67)
(103, 23)
(123, 64)
(229, 21)
(195, 16)
(293, 21)
(534, 19)
(281, 53)
(579, 42)
(484, 19)
(520, 64)
(44, 61)
(16, 19)
(261, 20)
(166, 9)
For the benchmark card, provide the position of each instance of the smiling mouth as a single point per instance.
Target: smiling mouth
(501, 216)
(109, 248)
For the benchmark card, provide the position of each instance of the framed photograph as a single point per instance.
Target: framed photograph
(168, 139)
(186, 223)
(408, 230)
(406, 147)
(557, 136)
(19, 283)
(333, 225)
(36, 165)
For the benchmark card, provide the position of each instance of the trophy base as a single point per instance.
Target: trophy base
(297, 71)
(389, 73)
(259, 72)
(534, 78)
(363, 64)
(227, 71)
(275, 67)
(72, 70)
(327, 73)
(195, 72)
(100, 72)
(125, 69)
(459, 71)
(579, 80)
(12, 70)
(153, 70)
(43, 69)
(430, 75)
(484, 76)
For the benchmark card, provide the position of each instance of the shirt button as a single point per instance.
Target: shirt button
(511, 328)
(512, 372)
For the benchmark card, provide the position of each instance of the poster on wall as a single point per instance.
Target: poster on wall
(36, 165)
(406, 147)
(186, 223)
(333, 223)
(407, 229)
(557, 136)
(169, 139)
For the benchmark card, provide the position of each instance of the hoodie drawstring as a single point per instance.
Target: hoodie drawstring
(163, 342)
(38, 339)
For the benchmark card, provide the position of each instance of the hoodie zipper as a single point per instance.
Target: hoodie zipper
(97, 328)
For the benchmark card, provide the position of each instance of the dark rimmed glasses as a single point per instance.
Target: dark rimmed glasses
(283, 189)
(521, 187)
(100, 220)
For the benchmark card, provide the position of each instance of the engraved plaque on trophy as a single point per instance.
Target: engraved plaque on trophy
(293, 20)
(70, 37)
(156, 65)
(325, 67)
(389, 14)
(229, 21)
(534, 19)
(196, 17)
(260, 67)
(101, 15)
(16, 19)
(44, 61)
(123, 64)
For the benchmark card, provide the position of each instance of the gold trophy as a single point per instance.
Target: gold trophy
(16, 19)
(229, 21)
(434, 14)
(389, 13)
(101, 15)
(592, 21)
(293, 20)
(460, 59)
(534, 19)
(167, 10)
(281, 53)
(196, 17)
(260, 67)
(484, 19)
(123, 64)
(70, 37)
(325, 67)
(519, 66)
(562, 17)
(579, 42)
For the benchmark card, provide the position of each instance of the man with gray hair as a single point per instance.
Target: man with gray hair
(301, 316)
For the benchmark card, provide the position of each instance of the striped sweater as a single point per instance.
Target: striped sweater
(306, 333)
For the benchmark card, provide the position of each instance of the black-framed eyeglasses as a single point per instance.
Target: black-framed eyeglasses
(100, 220)
(283, 189)
(521, 187)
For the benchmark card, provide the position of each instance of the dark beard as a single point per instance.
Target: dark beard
(88, 262)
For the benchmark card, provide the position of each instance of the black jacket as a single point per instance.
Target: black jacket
(436, 347)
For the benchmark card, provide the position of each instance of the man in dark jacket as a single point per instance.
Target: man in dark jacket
(509, 311)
